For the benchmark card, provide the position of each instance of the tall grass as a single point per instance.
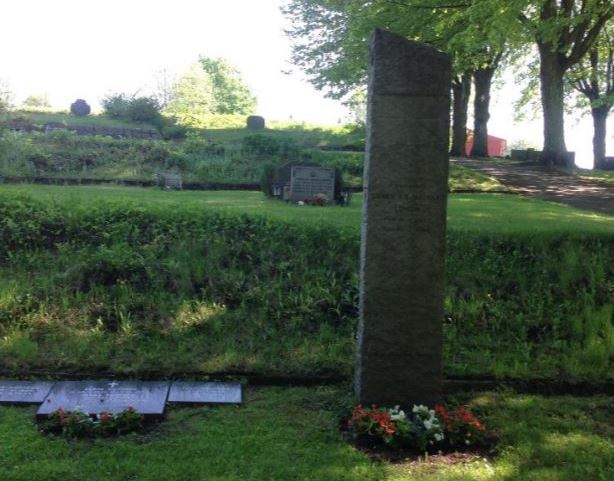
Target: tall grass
(166, 288)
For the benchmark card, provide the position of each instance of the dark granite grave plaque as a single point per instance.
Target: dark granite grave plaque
(306, 182)
(93, 397)
(205, 392)
(24, 392)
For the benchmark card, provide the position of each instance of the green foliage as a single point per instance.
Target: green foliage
(171, 286)
(211, 87)
(134, 109)
(6, 97)
(143, 109)
(260, 146)
(266, 181)
(116, 105)
(41, 117)
(37, 101)
(77, 424)
(192, 96)
(230, 93)
(64, 153)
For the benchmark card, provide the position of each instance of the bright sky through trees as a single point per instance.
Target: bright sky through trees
(74, 48)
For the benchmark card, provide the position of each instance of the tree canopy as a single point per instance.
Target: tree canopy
(192, 95)
(330, 41)
(231, 95)
(209, 86)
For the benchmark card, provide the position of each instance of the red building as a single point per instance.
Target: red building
(496, 145)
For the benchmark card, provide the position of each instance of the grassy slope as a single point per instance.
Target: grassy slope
(604, 176)
(291, 434)
(304, 136)
(41, 118)
(472, 212)
(464, 178)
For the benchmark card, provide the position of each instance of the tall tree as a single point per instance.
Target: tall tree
(478, 42)
(564, 31)
(37, 101)
(231, 95)
(461, 92)
(330, 46)
(191, 96)
(483, 78)
(594, 78)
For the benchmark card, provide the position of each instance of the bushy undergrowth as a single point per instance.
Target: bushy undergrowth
(66, 154)
(173, 289)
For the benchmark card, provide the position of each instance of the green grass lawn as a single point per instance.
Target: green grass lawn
(464, 178)
(603, 176)
(488, 213)
(291, 434)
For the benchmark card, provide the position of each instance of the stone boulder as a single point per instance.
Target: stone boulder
(255, 122)
(80, 108)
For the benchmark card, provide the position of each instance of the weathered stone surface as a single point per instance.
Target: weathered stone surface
(24, 392)
(93, 397)
(308, 182)
(255, 122)
(80, 108)
(205, 393)
(404, 224)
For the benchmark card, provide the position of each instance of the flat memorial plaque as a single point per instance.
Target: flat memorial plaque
(24, 392)
(205, 392)
(94, 397)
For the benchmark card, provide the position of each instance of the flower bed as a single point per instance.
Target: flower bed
(442, 429)
(77, 424)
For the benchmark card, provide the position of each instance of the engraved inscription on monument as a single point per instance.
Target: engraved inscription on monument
(94, 397)
(307, 182)
(205, 392)
(23, 392)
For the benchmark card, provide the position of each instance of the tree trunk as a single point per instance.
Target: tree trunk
(483, 81)
(461, 90)
(551, 72)
(600, 118)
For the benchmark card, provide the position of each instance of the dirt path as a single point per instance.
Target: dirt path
(548, 184)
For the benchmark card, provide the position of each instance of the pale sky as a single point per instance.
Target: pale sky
(72, 49)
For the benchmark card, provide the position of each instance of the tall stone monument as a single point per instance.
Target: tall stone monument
(403, 223)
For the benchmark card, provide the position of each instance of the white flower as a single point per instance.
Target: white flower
(397, 414)
(428, 424)
(438, 437)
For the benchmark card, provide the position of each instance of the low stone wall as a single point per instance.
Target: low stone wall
(115, 132)
(11, 179)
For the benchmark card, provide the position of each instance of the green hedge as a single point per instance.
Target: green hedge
(281, 298)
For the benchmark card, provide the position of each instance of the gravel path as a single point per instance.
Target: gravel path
(548, 184)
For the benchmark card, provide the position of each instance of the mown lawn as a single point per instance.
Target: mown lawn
(292, 434)
(485, 213)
